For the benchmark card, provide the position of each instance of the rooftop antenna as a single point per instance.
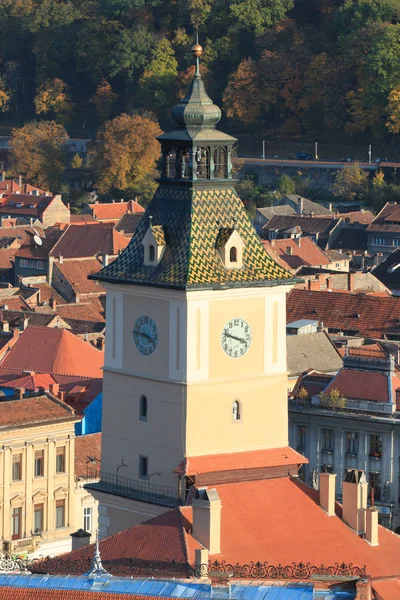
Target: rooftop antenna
(97, 569)
(150, 221)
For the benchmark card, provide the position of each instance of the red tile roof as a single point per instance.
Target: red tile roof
(34, 410)
(275, 520)
(31, 205)
(346, 312)
(82, 219)
(89, 311)
(235, 461)
(29, 381)
(368, 350)
(387, 220)
(12, 593)
(363, 217)
(88, 241)
(55, 351)
(113, 211)
(11, 186)
(86, 447)
(363, 385)
(76, 272)
(30, 249)
(387, 589)
(297, 253)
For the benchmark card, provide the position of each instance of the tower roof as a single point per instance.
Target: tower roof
(191, 221)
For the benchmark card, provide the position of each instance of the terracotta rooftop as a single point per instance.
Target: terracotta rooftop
(76, 272)
(311, 351)
(30, 381)
(363, 217)
(87, 447)
(297, 253)
(87, 315)
(32, 411)
(128, 223)
(12, 186)
(113, 211)
(26, 204)
(347, 312)
(235, 461)
(88, 241)
(364, 385)
(29, 249)
(367, 350)
(273, 520)
(13, 593)
(313, 382)
(82, 219)
(387, 220)
(55, 351)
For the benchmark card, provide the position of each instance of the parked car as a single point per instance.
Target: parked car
(303, 156)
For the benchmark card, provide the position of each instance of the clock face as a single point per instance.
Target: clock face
(236, 338)
(145, 335)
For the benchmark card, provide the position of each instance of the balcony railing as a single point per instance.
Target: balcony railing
(143, 491)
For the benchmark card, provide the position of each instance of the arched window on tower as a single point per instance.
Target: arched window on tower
(236, 410)
(143, 408)
(152, 253)
(233, 254)
(184, 164)
(220, 163)
(203, 162)
(170, 163)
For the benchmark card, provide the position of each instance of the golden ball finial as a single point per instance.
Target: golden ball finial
(197, 50)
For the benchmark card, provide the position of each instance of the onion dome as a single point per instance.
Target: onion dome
(196, 110)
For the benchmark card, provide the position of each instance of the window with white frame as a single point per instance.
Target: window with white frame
(351, 442)
(87, 518)
(379, 241)
(23, 263)
(327, 439)
(60, 513)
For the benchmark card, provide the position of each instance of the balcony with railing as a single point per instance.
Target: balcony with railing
(144, 491)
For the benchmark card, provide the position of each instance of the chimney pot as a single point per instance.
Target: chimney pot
(53, 303)
(207, 519)
(60, 259)
(327, 485)
(355, 494)
(20, 392)
(54, 388)
(371, 534)
(6, 326)
(105, 260)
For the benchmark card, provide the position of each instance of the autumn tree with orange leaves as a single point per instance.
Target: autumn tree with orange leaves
(38, 151)
(125, 152)
(53, 96)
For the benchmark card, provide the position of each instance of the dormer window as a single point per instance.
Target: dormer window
(154, 245)
(18, 205)
(230, 247)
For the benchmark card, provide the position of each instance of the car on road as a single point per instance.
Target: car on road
(303, 156)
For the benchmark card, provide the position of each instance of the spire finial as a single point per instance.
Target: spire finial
(97, 569)
(197, 51)
(151, 225)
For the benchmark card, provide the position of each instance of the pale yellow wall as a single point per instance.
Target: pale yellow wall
(44, 490)
(189, 382)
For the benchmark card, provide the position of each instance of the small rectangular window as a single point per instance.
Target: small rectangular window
(375, 446)
(60, 460)
(87, 518)
(40, 264)
(38, 518)
(375, 482)
(143, 466)
(351, 442)
(17, 467)
(60, 513)
(23, 263)
(327, 439)
(16, 522)
(143, 408)
(39, 463)
(301, 437)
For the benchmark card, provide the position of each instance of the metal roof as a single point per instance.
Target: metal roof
(171, 588)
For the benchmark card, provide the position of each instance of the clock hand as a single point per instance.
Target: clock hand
(233, 337)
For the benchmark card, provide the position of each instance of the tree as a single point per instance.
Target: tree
(76, 162)
(5, 96)
(104, 99)
(350, 182)
(286, 185)
(159, 79)
(334, 400)
(125, 152)
(38, 151)
(256, 15)
(302, 394)
(393, 122)
(53, 96)
(242, 98)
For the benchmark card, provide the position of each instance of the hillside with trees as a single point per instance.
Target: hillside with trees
(292, 67)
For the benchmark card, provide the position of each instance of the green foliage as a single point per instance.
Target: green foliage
(350, 182)
(286, 185)
(302, 394)
(334, 400)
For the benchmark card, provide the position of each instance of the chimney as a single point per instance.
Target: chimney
(80, 539)
(60, 259)
(25, 323)
(300, 205)
(62, 396)
(201, 562)
(350, 281)
(5, 326)
(327, 484)
(298, 241)
(207, 519)
(54, 388)
(53, 303)
(330, 206)
(288, 251)
(355, 494)
(100, 343)
(320, 326)
(20, 180)
(19, 392)
(364, 589)
(371, 534)
(105, 260)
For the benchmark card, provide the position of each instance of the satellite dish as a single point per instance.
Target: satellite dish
(37, 240)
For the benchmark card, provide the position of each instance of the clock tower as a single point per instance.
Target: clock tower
(195, 360)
